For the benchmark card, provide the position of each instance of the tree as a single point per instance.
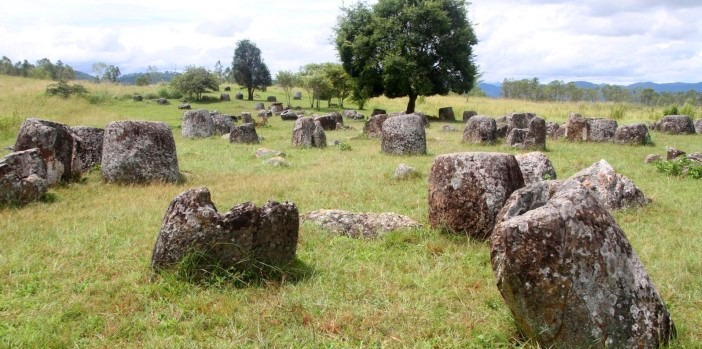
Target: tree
(195, 81)
(315, 82)
(99, 70)
(111, 74)
(142, 80)
(248, 68)
(287, 80)
(407, 48)
(218, 71)
(340, 81)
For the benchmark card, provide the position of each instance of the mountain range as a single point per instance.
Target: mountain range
(495, 89)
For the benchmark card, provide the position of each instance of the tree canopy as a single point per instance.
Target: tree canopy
(195, 81)
(248, 68)
(407, 48)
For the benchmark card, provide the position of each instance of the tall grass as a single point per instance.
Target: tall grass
(75, 272)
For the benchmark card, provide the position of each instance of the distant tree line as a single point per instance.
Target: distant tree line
(42, 69)
(557, 90)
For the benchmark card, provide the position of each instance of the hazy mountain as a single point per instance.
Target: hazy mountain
(83, 76)
(495, 90)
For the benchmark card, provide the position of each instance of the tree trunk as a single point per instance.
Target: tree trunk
(250, 90)
(411, 103)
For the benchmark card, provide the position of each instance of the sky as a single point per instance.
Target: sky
(601, 41)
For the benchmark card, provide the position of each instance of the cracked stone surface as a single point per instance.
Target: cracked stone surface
(535, 166)
(359, 225)
(22, 177)
(404, 135)
(569, 275)
(614, 190)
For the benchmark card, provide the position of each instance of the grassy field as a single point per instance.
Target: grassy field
(74, 271)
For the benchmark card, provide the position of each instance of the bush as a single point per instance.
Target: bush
(165, 92)
(688, 109)
(671, 110)
(680, 167)
(98, 97)
(64, 90)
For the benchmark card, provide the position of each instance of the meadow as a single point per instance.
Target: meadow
(75, 268)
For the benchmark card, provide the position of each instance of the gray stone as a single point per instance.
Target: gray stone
(467, 114)
(308, 133)
(197, 124)
(277, 161)
(359, 225)
(329, 121)
(237, 239)
(162, 101)
(501, 126)
(404, 135)
(698, 126)
(185, 106)
(535, 167)
(576, 128)
(222, 123)
(446, 114)
(601, 130)
(245, 134)
(22, 177)
(239, 96)
(87, 147)
(448, 128)
(552, 130)
(569, 275)
(374, 126)
(652, 158)
(259, 106)
(297, 95)
(246, 118)
(635, 134)
(614, 190)
(224, 97)
(139, 152)
(697, 157)
(480, 130)
(137, 98)
(672, 153)
(288, 115)
(526, 131)
(266, 153)
(55, 143)
(349, 114)
(377, 111)
(403, 171)
(676, 124)
(271, 99)
(277, 107)
(467, 190)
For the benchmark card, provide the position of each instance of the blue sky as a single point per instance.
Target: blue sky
(609, 41)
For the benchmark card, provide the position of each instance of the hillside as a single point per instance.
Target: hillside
(495, 89)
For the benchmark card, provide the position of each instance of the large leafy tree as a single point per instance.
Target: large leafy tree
(248, 68)
(407, 48)
(195, 81)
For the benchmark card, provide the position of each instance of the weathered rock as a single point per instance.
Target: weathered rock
(265, 113)
(569, 275)
(162, 101)
(246, 118)
(526, 131)
(676, 124)
(377, 111)
(404, 135)
(359, 225)
(222, 123)
(480, 130)
(636, 134)
(197, 124)
(349, 113)
(87, 147)
(137, 98)
(552, 130)
(259, 106)
(266, 153)
(698, 126)
(328, 122)
(446, 114)
(184, 106)
(672, 153)
(601, 130)
(501, 126)
(467, 190)
(297, 95)
(576, 128)
(374, 126)
(535, 167)
(614, 190)
(697, 157)
(22, 177)
(652, 158)
(308, 133)
(139, 152)
(228, 88)
(55, 143)
(237, 239)
(288, 115)
(277, 107)
(403, 171)
(245, 134)
(271, 99)
(467, 114)
(277, 161)
(224, 97)
(239, 96)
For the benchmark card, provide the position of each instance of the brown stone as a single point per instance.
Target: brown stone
(55, 143)
(480, 130)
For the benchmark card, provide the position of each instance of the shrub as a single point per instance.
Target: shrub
(64, 90)
(165, 92)
(680, 167)
(617, 111)
(671, 110)
(688, 109)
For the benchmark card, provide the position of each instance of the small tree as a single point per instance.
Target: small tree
(195, 81)
(286, 79)
(248, 68)
(142, 80)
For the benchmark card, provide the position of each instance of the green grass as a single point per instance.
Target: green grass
(74, 272)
